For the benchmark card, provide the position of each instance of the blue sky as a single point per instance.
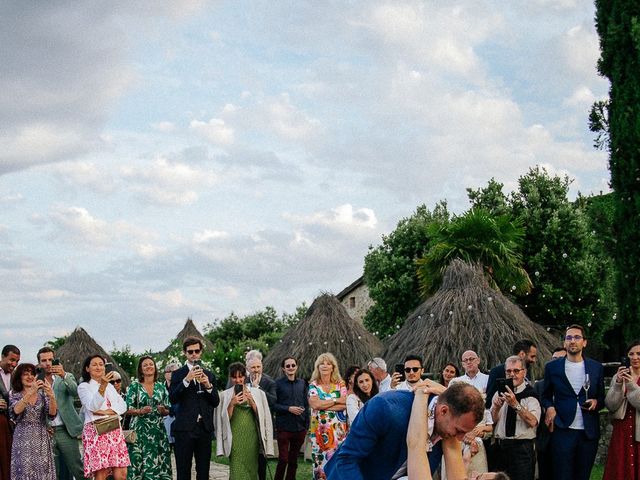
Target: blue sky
(192, 158)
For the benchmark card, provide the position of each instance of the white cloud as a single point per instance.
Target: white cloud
(165, 127)
(215, 130)
(85, 174)
(78, 223)
(168, 183)
(209, 235)
(148, 250)
(288, 121)
(171, 298)
(340, 217)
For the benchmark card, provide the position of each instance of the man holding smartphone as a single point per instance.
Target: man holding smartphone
(193, 390)
(67, 426)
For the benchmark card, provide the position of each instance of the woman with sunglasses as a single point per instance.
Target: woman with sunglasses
(292, 418)
(364, 388)
(148, 403)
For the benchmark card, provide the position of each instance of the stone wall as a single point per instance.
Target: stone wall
(357, 302)
(606, 429)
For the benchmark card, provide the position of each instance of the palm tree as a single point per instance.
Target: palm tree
(477, 237)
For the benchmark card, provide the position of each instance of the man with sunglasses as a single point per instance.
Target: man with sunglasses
(573, 394)
(195, 397)
(292, 418)
(516, 414)
(67, 426)
(413, 371)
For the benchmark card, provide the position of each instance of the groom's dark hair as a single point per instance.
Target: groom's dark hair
(463, 398)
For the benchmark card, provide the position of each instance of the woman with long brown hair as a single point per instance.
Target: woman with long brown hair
(148, 403)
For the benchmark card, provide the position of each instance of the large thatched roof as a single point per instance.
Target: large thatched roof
(189, 330)
(78, 346)
(327, 327)
(466, 314)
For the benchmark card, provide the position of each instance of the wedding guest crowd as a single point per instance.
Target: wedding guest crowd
(552, 423)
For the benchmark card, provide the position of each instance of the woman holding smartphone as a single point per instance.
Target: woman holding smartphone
(104, 453)
(31, 401)
(623, 400)
(243, 425)
(148, 403)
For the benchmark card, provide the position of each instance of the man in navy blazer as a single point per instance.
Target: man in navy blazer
(194, 395)
(376, 446)
(573, 394)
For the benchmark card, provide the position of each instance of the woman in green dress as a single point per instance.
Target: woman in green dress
(148, 403)
(243, 426)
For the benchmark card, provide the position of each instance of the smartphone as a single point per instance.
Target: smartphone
(56, 361)
(237, 388)
(40, 374)
(626, 362)
(197, 363)
(503, 383)
(108, 367)
(399, 368)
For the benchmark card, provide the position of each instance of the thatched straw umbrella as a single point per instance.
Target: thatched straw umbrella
(327, 327)
(78, 346)
(189, 330)
(466, 314)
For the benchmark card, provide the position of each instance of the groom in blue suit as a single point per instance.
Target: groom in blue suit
(573, 395)
(376, 447)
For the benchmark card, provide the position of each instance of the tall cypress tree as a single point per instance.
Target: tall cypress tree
(618, 25)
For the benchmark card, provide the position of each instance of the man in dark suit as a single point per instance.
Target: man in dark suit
(376, 447)
(573, 394)
(8, 362)
(195, 396)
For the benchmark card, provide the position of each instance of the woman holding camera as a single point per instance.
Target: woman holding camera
(243, 425)
(106, 452)
(148, 402)
(30, 403)
(623, 400)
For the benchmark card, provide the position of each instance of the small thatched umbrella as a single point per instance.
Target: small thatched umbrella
(466, 314)
(327, 327)
(78, 346)
(189, 330)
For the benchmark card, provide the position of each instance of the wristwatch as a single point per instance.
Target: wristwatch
(518, 407)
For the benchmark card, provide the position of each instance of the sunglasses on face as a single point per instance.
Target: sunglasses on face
(191, 352)
(290, 365)
(113, 382)
(411, 369)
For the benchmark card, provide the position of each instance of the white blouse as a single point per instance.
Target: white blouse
(92, 400)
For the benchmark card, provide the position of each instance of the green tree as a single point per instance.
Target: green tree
(233, 336)
(390, 269)
(558, 252)
(478, 237)
(57, 342)
(126, 359)
(618, 26)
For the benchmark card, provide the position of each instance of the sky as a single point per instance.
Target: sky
(169, 159)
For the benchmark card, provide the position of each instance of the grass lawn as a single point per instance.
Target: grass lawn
(597, 472)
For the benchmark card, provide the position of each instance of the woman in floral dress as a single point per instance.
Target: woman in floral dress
(328, 401)
(148, 403)
(30, 403)
(104, 453)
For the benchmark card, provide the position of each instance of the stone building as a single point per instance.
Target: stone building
(356, 299)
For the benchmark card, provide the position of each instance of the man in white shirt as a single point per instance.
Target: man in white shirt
(378, 368)
(516, 414)
(472, 373)
(413, 371)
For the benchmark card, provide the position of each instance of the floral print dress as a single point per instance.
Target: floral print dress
(150, 454)
(328, 429)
